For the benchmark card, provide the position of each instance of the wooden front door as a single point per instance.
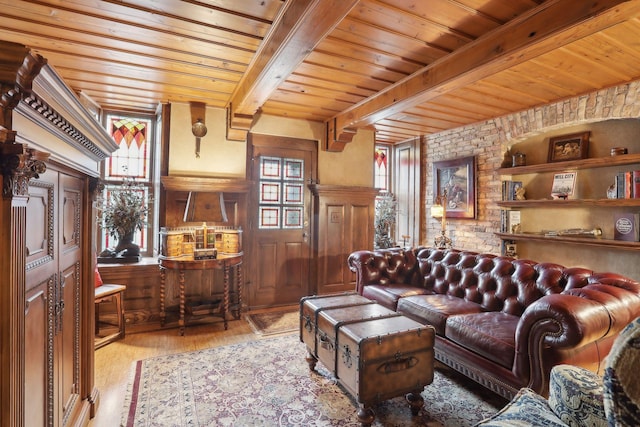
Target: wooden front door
(280, 219)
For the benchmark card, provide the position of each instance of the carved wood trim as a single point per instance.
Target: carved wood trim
(71, 133)
(49, 231)
(18, 165)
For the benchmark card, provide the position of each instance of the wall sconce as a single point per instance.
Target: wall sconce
(198, 128)
(439, 210)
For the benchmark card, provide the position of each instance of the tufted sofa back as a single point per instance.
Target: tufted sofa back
(497, 283)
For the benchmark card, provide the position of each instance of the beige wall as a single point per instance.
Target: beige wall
(218, 156)
(226, 159)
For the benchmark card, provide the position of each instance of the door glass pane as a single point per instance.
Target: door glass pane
(281, 195)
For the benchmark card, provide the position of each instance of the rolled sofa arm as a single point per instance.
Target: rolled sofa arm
(384, 266)
(358, 263)
(571, 320)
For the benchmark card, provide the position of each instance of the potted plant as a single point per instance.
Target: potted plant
(385, 220)
(122, 215)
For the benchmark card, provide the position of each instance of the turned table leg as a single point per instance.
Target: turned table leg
(225, 297)
(181, 322)
(163, 277)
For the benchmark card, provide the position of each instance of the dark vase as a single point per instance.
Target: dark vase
(126, 247)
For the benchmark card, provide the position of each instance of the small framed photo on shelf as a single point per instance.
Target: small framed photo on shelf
(574, 146)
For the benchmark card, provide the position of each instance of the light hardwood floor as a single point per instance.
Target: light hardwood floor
(114, 361)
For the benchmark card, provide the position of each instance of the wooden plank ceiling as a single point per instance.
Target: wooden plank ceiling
(404, 67)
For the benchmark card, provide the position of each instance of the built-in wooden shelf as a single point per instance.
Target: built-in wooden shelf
(599, 162)
(549, 203)
(584, 241)
(205, 184)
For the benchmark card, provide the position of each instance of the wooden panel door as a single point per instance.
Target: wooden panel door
(41, 284)
(67, 333)
(52, 300)
(280, 226)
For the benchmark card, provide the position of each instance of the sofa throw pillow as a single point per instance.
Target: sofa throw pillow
(621, 386)
(575, 396)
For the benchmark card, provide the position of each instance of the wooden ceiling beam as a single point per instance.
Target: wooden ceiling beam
(296, 31)
(553, 24)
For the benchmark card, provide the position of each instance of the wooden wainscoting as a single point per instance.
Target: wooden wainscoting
(345, 223)
(142, 297)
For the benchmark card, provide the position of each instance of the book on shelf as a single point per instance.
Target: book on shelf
(509, 189)
(514, 222)
(626, 227)
(510, 221)
(628, 184)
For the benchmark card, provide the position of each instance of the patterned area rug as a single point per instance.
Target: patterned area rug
(268, 383)
(275, 322)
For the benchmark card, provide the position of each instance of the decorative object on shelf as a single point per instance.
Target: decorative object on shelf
(520, 193)
(439, 210)
(575, 232)
(612, 191)
(385, 220)
(507, 159)
(563, 185)
(519, 159)
(569, 147)
(457, 177)
(510, 248)
(618, 151)
(123, 213)
(626, 227)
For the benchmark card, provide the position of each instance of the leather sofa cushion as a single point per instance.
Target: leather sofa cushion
(435, 309)
(388, 295)
(490, 334)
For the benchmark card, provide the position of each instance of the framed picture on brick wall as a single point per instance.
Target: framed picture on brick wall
(456, 178)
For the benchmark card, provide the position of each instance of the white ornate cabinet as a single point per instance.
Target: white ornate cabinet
(50, 152)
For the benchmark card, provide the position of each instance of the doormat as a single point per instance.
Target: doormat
(274, 322)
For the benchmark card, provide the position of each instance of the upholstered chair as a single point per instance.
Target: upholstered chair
(578, 397)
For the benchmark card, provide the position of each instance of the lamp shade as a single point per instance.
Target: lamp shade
(437, 211)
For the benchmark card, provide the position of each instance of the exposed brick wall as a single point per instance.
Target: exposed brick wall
(489, 141)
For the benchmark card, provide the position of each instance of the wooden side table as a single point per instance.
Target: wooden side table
(224, 262)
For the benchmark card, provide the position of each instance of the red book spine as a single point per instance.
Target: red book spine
(627, 184)
(636, 184)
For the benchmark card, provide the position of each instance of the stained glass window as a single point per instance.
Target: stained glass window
(380, 167)
(130, 163)
(281, 198)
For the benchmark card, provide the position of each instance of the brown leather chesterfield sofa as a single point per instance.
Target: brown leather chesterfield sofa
(503, 322)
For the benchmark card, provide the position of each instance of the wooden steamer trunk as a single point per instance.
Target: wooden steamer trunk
(329, 322)
(375, 353)
(311, 306)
